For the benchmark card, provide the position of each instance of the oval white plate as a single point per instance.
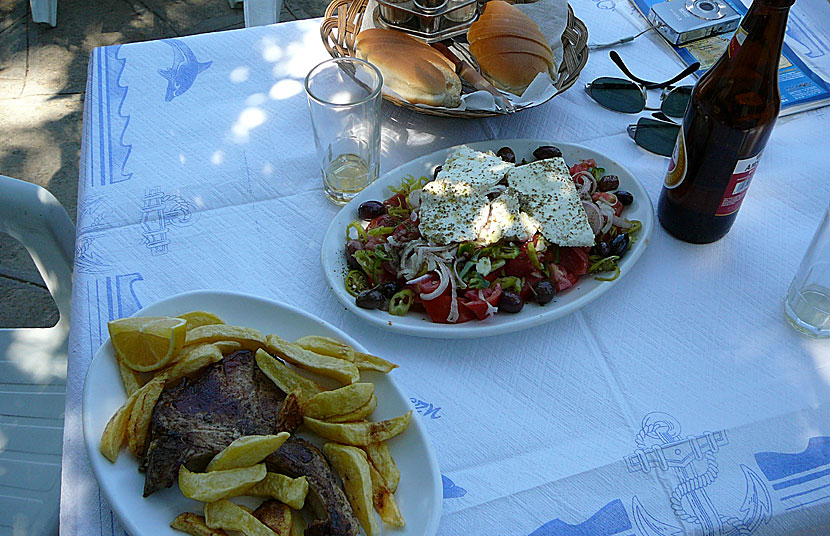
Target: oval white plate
(585, 291)
(419, 495)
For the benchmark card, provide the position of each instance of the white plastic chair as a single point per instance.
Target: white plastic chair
(45, 11)
(33, 368)
(261, 12)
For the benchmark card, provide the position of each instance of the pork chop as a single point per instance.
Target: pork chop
(195, 420)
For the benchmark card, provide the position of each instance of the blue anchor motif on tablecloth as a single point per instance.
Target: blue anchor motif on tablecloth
(692, 460)
(91, 218)
(181, 75)
(159, 213)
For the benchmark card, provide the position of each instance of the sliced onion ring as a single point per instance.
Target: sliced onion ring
(595, 217)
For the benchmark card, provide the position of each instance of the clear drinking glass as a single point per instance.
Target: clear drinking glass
(344, 98)
(807, 306)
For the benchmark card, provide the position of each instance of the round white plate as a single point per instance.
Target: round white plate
(419, 495)
(566, 302)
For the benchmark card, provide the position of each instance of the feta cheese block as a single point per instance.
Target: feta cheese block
(480, 170)
(452, 211)
(547, 194)
(506, 220)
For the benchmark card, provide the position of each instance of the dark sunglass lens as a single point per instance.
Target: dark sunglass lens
(617, 94)
(656, 136)
(674, 105)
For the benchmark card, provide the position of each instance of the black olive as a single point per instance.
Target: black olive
(620, 244)
(352, 246)
(603, 249)
(507, 154)
(436, 171)
(510, 302)
(389, 289)
(369, 299)
(546, 151)
(606, 183)
(544, 291)
(369, 210)
(626, 198)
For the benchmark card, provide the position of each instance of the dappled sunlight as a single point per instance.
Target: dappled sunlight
(257, 99)
(240, 74)
(267, 169)
(285, 89)
(39, 353)
(249, 119)
(217, 158)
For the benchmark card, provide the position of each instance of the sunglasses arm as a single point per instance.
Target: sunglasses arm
(652, 85)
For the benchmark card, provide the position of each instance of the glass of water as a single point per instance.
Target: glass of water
(807, 306)
(344, 96)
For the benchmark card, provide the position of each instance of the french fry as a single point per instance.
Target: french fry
(298, 524)
(384, 500)
(131, 379)
(227, 515)
(352, 466)
(141, 415)
(285, 378)
(193, 359)
(250, 339)
(373, 362)
(326, 346)
(339, 401)
(246, 451)
(330, 367)
(358, 414)
(382, 460)
(196, 319)
(115, 432)
(334, 348)
(290, 415)
(215, 485)
(195, 525)
(227, 347)
(275, 515)
(291, 491)
(359, 433)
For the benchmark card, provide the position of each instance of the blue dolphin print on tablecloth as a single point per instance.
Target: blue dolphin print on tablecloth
(451, 491)
(610, 520)
(184, 70)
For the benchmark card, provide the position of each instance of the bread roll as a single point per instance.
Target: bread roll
(509, 47)
(412, 69)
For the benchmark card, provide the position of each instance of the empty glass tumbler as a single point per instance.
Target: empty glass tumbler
(344, 97)
(807, 306)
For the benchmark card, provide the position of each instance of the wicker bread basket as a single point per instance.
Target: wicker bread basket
(343, 19)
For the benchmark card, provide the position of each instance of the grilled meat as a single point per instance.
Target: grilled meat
(195, 420)
(297, 457)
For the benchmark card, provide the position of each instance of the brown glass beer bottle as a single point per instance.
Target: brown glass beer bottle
(728, 122)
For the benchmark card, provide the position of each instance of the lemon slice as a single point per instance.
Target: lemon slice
(147, 343)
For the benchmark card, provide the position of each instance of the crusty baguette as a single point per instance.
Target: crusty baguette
(509, 47)
(412, 69)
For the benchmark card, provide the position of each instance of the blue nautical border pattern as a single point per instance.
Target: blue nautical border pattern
(181, 75)
(108, 165)
(610, 520)
(802, 32)
(451, 490)
(799, 479)
(693, 463)
(91, 217)
(160, 212)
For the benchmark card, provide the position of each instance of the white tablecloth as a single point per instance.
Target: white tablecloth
(680, 401)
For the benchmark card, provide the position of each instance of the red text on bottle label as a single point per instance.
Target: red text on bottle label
(735, 191)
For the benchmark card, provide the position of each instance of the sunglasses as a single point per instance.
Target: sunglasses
(654, 135)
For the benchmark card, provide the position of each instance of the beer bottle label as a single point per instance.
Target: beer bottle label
(737, 41)
(735, 191)
(677, 164)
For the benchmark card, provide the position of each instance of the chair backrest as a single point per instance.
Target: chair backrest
(261, 12)
(33, 367)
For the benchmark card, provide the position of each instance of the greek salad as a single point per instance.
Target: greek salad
(486, 235)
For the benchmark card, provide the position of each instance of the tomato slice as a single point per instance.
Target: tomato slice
(561, 278)
(384, 220)
(574, 260)
(439, 309)
(397, 200)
